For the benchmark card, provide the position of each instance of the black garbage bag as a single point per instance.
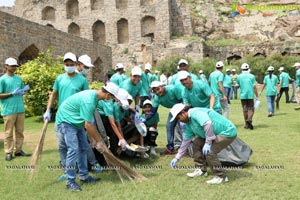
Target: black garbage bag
(236, 154)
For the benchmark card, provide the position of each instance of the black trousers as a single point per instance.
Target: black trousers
(286, 91)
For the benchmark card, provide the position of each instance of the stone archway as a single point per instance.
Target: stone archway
(232, 58)
(48, 13)
(98, 30)
(30, 53)
(72, 9)
(122, 28)
(121, 4)
(97, 4)
(97, 71)
(148, 26)
(74, 29)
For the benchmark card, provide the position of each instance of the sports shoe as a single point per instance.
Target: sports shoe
(249, 123)
(97, 168)
(297, 108)
(62, 177)
(197, 172)
(152, 151)
(90, 179)
(22, 153)
(139, 155)
(167, 152)
(73, 187)
(8, 157)
(218, 180)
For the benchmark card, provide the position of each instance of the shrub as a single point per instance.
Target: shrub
(40, 74)
(96, 85)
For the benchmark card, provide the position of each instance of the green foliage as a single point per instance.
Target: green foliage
(226, 42)
(40, 74)
(96, 85)
(259, 64)
(169, 65)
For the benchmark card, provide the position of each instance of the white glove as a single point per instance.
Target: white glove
(122, 143)
(47, 114)
(100, 146)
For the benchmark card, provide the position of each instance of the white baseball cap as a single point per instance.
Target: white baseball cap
(297, 64)
(123, 96)
(233, 70)
(183, 61)
(270, 68)
(176, 109)
(136, 71)
(11, 62)
(119, 66)
(148, 66)
(228, 70)
(70, 56)
(219, 64)
(281, 69)
(112, 88)
(245, 66)
(183, 75)
(156, 84)
(200, 71)
(147, 101)
(156, 72)
(129, 97)
(86, 60)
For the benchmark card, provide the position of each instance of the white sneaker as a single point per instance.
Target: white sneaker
(197, 172)
(152, 151)
(217, 180)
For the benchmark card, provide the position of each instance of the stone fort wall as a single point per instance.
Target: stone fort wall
(23, 40)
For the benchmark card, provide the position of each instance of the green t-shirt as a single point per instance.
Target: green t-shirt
(285, 79)
(198, 96)
(146, 82)
(202, 77)
(171, 97)
(214, 78)
(227, 82)
(119, 113)
(133, 90)
(67, 86)
(297, 78)
(271, 85)
(13, 104)
(118, 78)
(152, 121)
(78, 108)
(246, 81)
(199, 116)
(106, 108)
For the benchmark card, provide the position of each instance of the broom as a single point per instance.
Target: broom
(119, 166)
(277, 101)
(38, 150)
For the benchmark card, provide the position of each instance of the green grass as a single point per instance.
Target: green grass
(275, 142)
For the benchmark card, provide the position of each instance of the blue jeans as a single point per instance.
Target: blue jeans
(227, 91)
(271, 103)
(234, 91)
(77, 146)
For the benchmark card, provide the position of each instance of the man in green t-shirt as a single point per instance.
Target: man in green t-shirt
(247, 84)
(119, 76)
(210, 133)
(284, 78)
(12, 109)
(297, 84)
(74, 116)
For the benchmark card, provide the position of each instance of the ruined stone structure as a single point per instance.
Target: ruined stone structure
(23, 40)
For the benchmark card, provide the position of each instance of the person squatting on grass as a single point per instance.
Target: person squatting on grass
(74, 116)
(210, 132)
(12, 109)
(247, 84)
(270, 82)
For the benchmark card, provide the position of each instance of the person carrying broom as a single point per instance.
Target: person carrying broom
(73, 116)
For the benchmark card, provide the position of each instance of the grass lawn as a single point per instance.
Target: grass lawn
(275, 142)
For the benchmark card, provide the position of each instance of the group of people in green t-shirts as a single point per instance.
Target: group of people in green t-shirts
(196, 106)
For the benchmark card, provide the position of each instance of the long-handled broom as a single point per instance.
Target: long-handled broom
(38, 150)
(119, 166)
